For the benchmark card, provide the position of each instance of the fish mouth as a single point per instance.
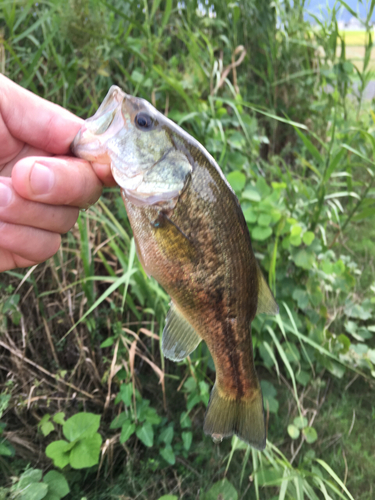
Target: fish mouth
(90, 141)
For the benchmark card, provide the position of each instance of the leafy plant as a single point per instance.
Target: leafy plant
(82, 448)
(32, 485)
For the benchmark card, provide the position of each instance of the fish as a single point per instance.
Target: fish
(192, 237)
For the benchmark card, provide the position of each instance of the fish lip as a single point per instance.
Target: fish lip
(87, 144)
(79, 146)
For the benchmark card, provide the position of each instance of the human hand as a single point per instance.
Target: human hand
(40, 193)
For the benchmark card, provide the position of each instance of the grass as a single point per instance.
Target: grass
(77, 329)
(343, 424)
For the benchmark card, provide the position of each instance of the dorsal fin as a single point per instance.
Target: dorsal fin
(179, 337)
(266, 301)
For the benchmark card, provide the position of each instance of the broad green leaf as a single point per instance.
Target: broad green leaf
(120, 420)
(364, 214)
(145, 433)
(310, 434)
(251, 193)
(185, 420)
(190, 384)
(262, 187)
(304, 259)
(59, 452)
(80, 426)
(167, 435)
(187, 438)
(151, 416)
(137, 77)
(108, 342)
(295, 230)
(35, 491)
(308, 238)
(237, 180)
(127, 430)
(168, 497)
(260, 233)
(47, 428)
(86, 452)
(6, 450)
(59, 418)
(295, 240)
(264, 220)
(268, 389)
(30, 476)
(271, 404)
(344, 340)
(293, 431)
(168, 454)
(250, 215)
(300, 422)
(126, 394)
(303, 378)
(57, 484)
(51, 496)
(222, 490)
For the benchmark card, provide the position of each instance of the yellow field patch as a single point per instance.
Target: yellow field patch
(353, 37)
(355, 48)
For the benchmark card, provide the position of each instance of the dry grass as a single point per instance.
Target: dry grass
(48, 371)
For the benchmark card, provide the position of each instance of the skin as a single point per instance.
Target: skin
(42, 188)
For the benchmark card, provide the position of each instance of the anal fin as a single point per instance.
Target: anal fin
(179, 337)
(266, 301)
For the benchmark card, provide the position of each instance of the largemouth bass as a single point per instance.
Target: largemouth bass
(191, 236)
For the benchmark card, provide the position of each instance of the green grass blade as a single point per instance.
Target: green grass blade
(310, 146)
(286, 363)
(333, 474)
(119, 282)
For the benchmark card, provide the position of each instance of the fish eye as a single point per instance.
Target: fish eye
(144, 121)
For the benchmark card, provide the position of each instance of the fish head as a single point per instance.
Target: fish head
(138, 142)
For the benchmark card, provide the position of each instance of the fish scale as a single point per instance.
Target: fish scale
(191, 236)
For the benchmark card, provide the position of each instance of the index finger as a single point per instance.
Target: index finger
(37, 121)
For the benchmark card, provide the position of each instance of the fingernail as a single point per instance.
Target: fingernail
(42, 179)
(6, 195)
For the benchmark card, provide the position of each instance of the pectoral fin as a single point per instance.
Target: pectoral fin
(266, 301)
(179, 337)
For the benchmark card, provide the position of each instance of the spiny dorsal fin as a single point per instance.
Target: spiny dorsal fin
(179, 337)
(266, 301)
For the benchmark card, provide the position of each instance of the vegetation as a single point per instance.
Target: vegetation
(281, 108)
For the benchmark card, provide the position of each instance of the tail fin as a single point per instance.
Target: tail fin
(243, 417)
